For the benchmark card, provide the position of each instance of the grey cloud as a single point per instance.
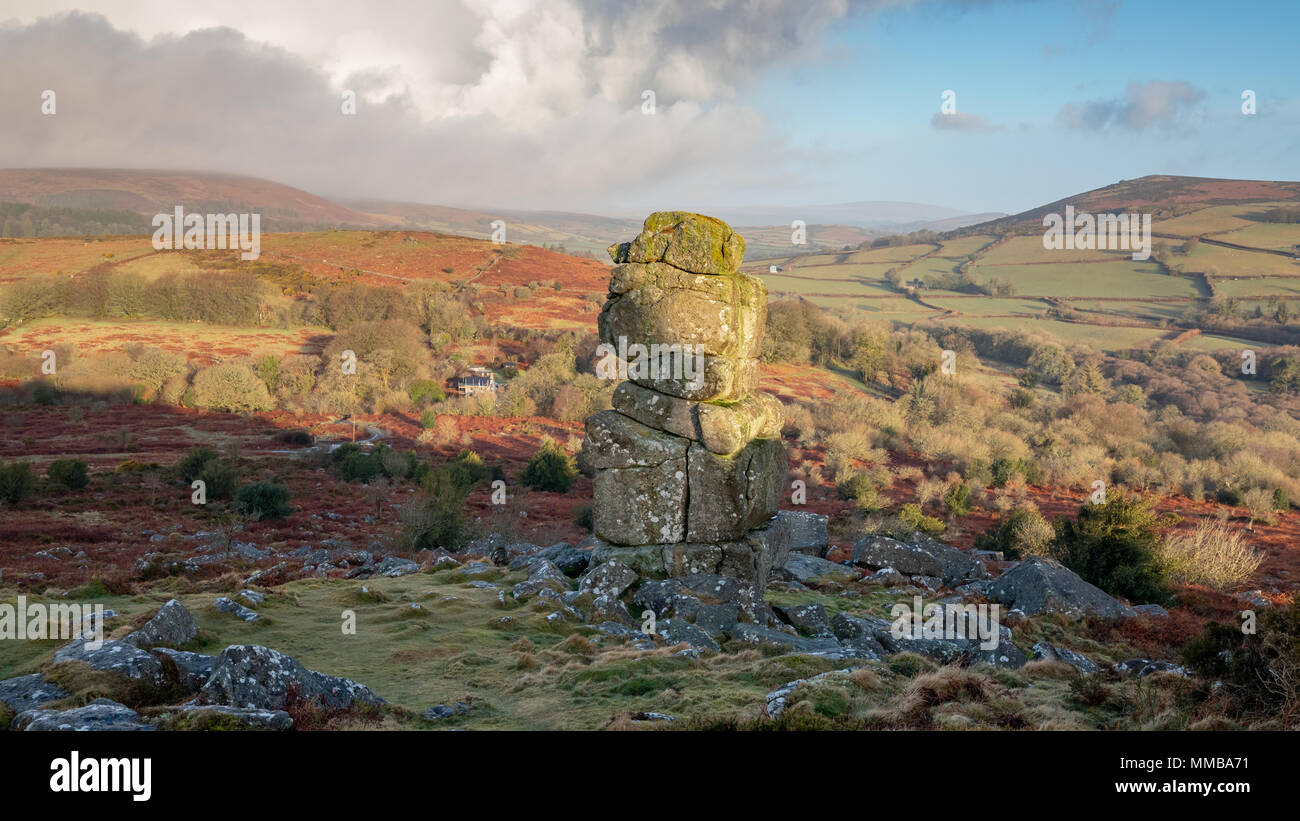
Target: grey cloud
(1154, 104)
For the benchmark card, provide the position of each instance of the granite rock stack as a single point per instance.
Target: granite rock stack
(689, 463)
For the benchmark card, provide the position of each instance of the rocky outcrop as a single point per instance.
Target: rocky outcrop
(260, 678)
(689, 464)
(29, 692)
(100, 715)
(1038, 585)
(171, 626)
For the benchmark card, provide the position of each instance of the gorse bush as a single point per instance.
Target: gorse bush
(70, 473)
(435, 518)
(1213, 554)
(16, 482)
(957, 499)
(264, 500)
(220, 476)
(190, 466)
(862, 489)
(355, 464)
(911, 517)
(1260, 671)
(423, 391)
(550, 469)
(1116, 547)
(1023, 533)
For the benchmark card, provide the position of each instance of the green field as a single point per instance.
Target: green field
(1265, 235)
(964, 246)
(1019, 250)
(1086, 279)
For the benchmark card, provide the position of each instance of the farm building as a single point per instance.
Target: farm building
(478, 380)
(774, 269)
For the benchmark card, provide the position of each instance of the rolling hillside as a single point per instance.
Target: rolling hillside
(150, 192)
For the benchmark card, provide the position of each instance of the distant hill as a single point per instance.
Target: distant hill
(146, 192)
(766, 230)
(1162, 195)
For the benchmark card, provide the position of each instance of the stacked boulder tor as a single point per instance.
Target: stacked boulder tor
(689, 466)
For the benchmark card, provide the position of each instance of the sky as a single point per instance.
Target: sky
(976, 106)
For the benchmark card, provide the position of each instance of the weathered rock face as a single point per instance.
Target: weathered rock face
(688, 329)
(689, 464)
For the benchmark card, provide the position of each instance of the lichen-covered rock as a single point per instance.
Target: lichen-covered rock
(1038, 585)
(189, 670)
(691, 242)
(543, 576)
(657, 304)
(171, 626)
(809, 619)
(640, 505)
(920, 556)
(639, 492)
(745, 633)
(746, 560)
(100, 715)
(609, 579)
(677, 631)
(114, 657)
(793, 531)
(735, 493)
(1050, 652)
(255, 677)
(722, 379)
(812, 570)
(234, 608)
(615, 440)
(609, 609)
(29, 692)
(723, 428)
(394, 566)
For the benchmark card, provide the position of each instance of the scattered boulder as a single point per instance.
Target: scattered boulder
(441, 711)
(173, 625)
(609, 609)
(256, 677)
(610, 579)
(29, 692)
(808, 619)
(717, 619)
(922, 556)
(100, 715)
(754, 634)
(1050, 652)
(677, 631)
(808, 569)
(1145, 667)
(190, 670)
(570, 560)
(1038, 585)
(394, 566)
(236, 609)
(113, 657)
(544, 576)
(796, 531)
(779, 699)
